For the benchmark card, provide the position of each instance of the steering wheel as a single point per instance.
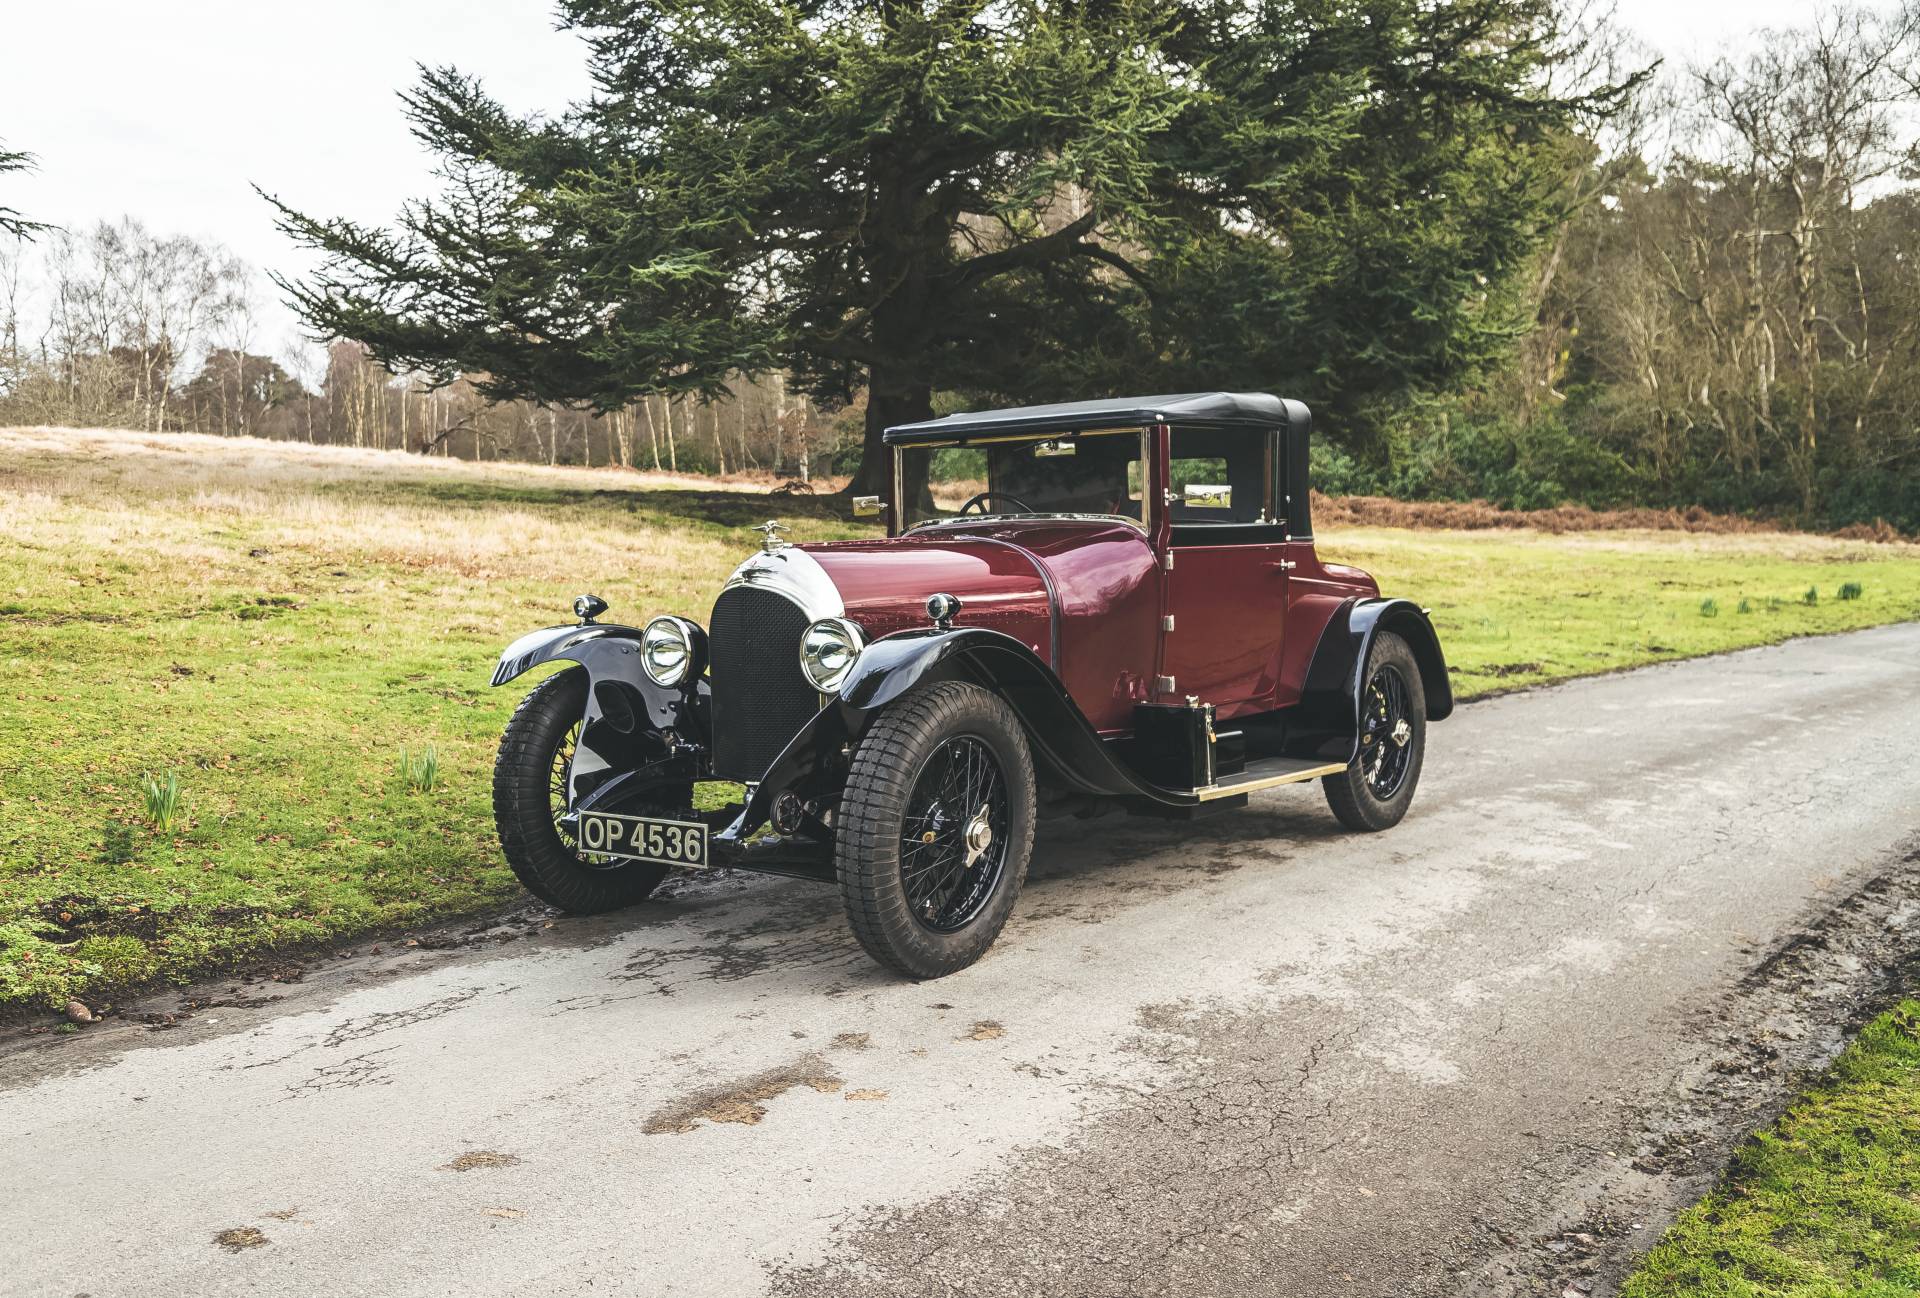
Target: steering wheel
(985, 496)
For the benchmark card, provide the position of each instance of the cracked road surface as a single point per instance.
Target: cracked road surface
(1249, 1056)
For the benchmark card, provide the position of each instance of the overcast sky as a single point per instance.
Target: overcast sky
(170, 111)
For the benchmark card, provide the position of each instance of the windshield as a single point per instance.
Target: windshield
(1080, 474)
(1218, 476)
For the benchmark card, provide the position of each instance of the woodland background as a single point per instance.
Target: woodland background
(1718, 306)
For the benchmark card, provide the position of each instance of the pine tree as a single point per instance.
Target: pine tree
(1020, 200)
(11, 221)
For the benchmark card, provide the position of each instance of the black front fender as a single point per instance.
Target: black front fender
(633, 730)
(1064, 742)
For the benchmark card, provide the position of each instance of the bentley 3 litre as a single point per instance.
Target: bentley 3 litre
(1129, 615)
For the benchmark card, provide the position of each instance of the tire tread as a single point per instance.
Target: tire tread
(879, 783)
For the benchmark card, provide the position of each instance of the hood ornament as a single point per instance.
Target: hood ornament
(770, 536)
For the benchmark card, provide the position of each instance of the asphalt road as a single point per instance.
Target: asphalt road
(1251, 1056)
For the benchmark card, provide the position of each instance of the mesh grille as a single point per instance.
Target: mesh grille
(760, 699)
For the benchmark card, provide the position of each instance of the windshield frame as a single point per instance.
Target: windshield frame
(897, 524)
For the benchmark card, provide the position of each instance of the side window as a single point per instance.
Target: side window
(1221, 476)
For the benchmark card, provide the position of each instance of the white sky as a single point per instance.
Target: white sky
(170, 111)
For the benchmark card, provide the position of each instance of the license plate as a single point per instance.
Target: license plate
(644, 838)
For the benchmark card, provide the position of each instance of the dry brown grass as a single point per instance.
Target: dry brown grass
(165, 500)
(1479, 515)
(173, 462)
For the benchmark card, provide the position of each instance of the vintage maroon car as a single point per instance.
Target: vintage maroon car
(1129, 615)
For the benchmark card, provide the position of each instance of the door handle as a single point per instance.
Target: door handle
(1284, 565)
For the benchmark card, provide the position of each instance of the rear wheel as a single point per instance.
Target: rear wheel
(935, 829)
(1375, 790)
(530, 796)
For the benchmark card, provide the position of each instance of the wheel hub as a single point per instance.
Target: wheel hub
(979, 836)
(953, 843)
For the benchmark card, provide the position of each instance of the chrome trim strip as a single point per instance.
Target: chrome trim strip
(1042, 516)
(1217, 790)
(795, 575)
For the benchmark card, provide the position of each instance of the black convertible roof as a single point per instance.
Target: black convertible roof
(1248, 409)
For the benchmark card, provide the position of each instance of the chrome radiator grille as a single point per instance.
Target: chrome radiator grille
(760, 699)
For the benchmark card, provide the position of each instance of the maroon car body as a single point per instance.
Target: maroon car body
(1130, 614)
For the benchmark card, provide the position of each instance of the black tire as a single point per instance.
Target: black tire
(903, 908)
(524, 807)
(1375, 790)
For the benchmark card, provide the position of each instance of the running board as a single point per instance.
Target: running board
(1267, 773)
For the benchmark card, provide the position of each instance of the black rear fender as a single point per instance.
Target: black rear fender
(1326, 723)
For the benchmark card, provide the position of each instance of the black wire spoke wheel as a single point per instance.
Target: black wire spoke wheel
(1375, 790)
(935, 828)
(953, 837)
(560, 776)
(1386, 733)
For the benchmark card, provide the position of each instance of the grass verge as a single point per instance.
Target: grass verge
(1824, 1203)
(213, 654)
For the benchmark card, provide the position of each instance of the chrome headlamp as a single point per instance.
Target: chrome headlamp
(672, 650)
(828, 650)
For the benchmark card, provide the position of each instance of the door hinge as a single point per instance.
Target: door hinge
(1166, 623)
(1163, 684)
(1166, 561)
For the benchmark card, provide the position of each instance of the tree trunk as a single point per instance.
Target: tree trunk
(653, 438)
(891, 399)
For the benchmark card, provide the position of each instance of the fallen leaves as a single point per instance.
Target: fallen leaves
(481, 1158)
(241, 1238)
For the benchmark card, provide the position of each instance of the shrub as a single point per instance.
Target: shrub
(162, 795)
(1812, 596)
(1745, 606)
(420, 772)
(1709, 607)
(1850, 590)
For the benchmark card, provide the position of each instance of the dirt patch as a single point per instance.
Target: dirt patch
(241, 1238)
(743, 1101)
(866, 1094)
(1505, 669)
(480, 1158)
(985, 1030)
(853, 1041)
(75, 917)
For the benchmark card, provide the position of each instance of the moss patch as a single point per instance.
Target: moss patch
(1824, 1203)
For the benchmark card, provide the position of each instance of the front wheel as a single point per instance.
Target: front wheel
(530, 795)
(935, 829)
(1373, 793)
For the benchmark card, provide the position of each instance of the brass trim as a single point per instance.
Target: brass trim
(1213, 791)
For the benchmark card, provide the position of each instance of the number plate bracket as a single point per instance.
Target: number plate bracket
(652, 839)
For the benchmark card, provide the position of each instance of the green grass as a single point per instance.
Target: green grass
(275, 626)
(1523, 608)
(1824, 1203)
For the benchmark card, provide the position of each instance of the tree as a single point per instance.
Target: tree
(1032, 198)
(11, 221)
(235, 391)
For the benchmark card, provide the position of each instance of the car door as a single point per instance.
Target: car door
(1224, 569)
